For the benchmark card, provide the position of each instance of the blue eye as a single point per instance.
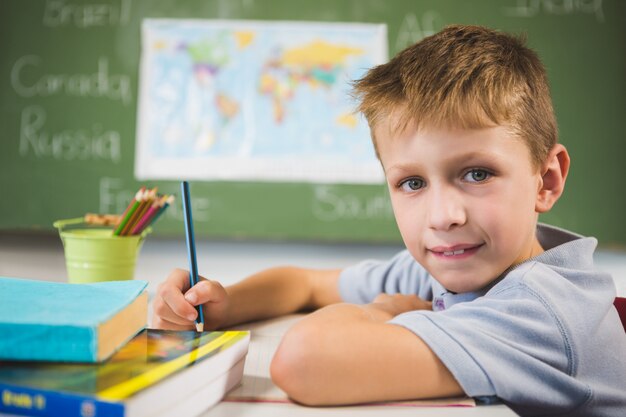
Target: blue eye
(412, 184)
(477, 175)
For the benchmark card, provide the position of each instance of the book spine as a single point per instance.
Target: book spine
(44, 403)
(43, 342)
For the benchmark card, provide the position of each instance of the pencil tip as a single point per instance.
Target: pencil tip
(199, 327)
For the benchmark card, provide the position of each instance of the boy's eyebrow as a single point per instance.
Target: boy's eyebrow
(475, 155)
(453, 160)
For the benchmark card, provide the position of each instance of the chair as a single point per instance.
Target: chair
(620, 306)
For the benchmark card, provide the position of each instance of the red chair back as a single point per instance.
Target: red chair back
(620, 305)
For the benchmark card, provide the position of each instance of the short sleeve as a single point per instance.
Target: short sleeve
(362, 282)
(508, 344)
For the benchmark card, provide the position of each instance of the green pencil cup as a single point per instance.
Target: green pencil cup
(95, 254)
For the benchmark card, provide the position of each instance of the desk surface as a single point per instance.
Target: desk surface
(228, 409)
(264, 339)
(41, 257)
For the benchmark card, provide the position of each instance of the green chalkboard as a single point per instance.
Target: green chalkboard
(68, 151)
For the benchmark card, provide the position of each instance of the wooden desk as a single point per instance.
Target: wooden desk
(264, 339)
(227, 409)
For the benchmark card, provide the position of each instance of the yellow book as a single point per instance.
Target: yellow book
(158, 373)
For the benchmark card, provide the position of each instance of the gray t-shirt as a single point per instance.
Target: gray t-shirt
(544, 338)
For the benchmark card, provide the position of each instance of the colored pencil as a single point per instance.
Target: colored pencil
(132, 202)
(148, 197)
(143, 210)
(147, 217)
(191, 249)
(152, 196)
(130, 210)
(168, 202)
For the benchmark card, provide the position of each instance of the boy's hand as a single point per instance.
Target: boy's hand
(394, 304)
(174, 305)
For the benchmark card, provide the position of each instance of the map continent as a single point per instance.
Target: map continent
(267, 100)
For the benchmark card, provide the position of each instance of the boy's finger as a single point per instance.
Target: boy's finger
(172, 299)
(205, 291)
(160, 323)
(164, 312)
(179, 278)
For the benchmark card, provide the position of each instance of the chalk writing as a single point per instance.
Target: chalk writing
(531, 8)
(28, 81)
(413, 29)
(85, 15)
(331, 205)
(80, 144)
(114, 198)
(201, 207)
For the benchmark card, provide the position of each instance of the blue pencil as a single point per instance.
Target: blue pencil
(191, 249)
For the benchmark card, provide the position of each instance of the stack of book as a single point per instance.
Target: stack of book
(83, 350)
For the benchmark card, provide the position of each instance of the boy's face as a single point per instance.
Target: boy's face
(464, 200)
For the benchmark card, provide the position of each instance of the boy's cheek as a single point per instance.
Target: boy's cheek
(411, 234)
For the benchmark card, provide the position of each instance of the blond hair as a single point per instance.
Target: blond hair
(464, 77)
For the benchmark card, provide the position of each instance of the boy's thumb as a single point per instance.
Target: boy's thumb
(191, 297)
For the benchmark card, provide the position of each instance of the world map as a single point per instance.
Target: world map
(255, 100)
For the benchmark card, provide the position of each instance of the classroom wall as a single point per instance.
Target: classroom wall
(65, 152)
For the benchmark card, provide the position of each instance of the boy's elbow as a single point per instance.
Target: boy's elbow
(296, 370)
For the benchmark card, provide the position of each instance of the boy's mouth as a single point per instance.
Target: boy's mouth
(455, 252)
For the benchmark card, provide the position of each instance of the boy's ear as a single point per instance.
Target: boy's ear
(553, 174)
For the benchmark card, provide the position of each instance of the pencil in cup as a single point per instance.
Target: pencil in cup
(168, 202)
(146, 201)
(144, 209)
(129, 211)
(148, 215)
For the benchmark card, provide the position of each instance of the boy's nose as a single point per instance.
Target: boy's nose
(445, 210)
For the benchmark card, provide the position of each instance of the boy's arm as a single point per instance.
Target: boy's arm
(269, 293)
(279, 291)
(347, 354)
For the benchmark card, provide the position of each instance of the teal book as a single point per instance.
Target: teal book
(159, 373)
(52, 321)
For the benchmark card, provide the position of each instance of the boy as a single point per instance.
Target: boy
(484, 301)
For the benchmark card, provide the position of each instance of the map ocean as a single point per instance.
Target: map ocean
(260, 92)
